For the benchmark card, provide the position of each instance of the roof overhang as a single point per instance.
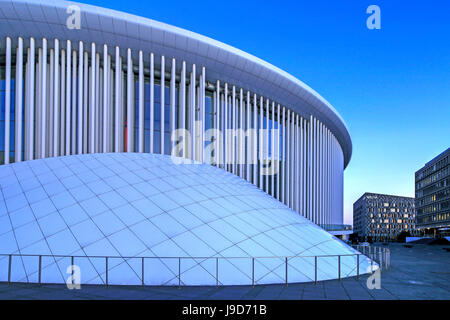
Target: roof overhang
(27, 18)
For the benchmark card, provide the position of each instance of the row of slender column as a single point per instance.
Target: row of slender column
(77, 99)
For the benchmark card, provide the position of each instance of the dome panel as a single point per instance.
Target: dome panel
(156, 219)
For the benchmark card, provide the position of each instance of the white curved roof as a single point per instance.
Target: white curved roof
(144, 205)
(28, 18)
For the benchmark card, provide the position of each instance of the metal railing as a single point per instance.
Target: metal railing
(347, 265)
(376, 253)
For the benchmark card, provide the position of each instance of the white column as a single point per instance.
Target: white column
(110, 105)
(122, 107)
(283, 157)
(302, 177)
(310, 168)
(172, 103)
(162, 104)
(278, 153)
(85, 101)
(315, 171)
(56, 101)
(319, 173)
(217, 124)
(324, 208)
(261, 141)
(7, 98)
(49, 107)
(19, 100)
(330, 207)
(43, 97)
(68, 96)
(192, 112)
(117, 125)
(318, 182)
(133, 112)
(202, 115)
(288, 158)
(241, 135)
(141, 101)
(79, 144)
(183, 107)
(152, 101)
(92, 119)
(297, 163)
(38, 103)
(272, 152)
(255, 140)
(266, 143)
(31, 108)
(105, 100)
(29, 148)
(74, 103)
(26, 112)
(304, 166)
(293, 160)
(62, 102)
(233, 123)
(225, 129)
(129, 101)
(98, 106)
(249, 144)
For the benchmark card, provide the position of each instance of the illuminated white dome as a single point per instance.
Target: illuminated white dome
(143, 205)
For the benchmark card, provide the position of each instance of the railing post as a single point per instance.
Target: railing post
(106, 268)
(40, 269)
(380, 253)
(217, 272)
(315, 269)
(339, 267)
(179, 272)
(72, 263)
(286, 271)
(9, 268)
(142, 275)
(388, 258)
(357, 266)
(253, 272)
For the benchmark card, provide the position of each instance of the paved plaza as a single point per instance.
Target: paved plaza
(420, 272)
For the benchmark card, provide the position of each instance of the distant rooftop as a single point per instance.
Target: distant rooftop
(382, 194)
(437, 157)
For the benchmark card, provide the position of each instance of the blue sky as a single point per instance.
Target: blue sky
(392, 86)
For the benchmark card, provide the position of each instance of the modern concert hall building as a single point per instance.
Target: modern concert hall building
(145, 153)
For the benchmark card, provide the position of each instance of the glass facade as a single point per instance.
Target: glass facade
(381, 217)
(433, 194)
(12, 122)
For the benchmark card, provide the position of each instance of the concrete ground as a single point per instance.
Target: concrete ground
(421, 272)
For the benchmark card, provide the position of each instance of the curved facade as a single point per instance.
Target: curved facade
(122, 83)
(158, 222)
